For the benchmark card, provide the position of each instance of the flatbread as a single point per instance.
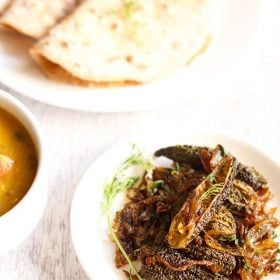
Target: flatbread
(125, 41)
(35, 17)
(4, 4)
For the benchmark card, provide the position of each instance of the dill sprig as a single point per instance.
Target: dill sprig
(211, 192)
(275, 235)
(175, 170)
(129, 7)
(223, 150)
(155, 185)
(119, 183)
(211, 178)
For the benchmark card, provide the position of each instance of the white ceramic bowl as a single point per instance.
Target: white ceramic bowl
(18, 223)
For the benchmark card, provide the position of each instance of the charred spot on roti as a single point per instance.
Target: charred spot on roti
(92, 10)
(129, 58)
(114, 26)
(176, 45)
(78, 65)
(64, 44)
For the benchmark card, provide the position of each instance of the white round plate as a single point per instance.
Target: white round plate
(237, 23)
(89, 231)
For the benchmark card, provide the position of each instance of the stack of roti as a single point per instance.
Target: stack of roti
(35, 17)
(117, 42)
(112, 42)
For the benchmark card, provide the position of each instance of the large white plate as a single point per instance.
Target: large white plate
(237, 23)
(88, 227)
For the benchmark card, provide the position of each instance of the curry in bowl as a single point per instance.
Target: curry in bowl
(18, 161)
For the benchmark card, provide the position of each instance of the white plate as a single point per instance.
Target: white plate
(238, 22)
(88, 228)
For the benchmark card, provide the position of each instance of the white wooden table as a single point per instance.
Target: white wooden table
(244, 101)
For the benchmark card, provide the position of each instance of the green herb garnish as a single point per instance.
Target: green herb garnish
(132, 25)
(228, 238)
(211, 178)
(156, 185)
(175, 171)
(211, 192)
(121, 182)
(130, 275)
(247, 265)
(223, 150)
(129, 6)
(258, 251)
(278, 250)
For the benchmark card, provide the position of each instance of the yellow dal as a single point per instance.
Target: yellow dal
(16, 143)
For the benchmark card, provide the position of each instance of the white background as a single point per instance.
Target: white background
(242, 100)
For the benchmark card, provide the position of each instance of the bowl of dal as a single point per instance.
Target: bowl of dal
(23, 181)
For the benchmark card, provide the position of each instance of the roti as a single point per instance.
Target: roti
(117, 42)
(4, 4)
(35, 17)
